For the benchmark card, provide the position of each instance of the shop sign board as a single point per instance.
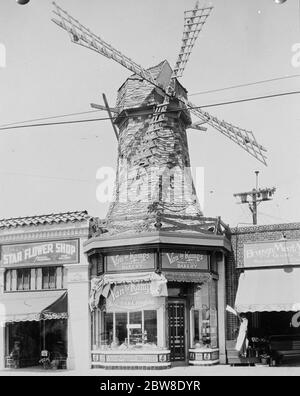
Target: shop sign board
(185, 260)
(271, 253)
(37, 253)
(132, 296)
(132, 261)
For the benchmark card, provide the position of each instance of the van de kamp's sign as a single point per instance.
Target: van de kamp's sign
(130, 261)
(60, 252)
(185, 260)
(263, 254)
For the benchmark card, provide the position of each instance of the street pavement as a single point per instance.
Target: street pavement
(219, 370)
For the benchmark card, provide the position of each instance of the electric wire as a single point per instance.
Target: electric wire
(244, 85)
(150, 113)
(49, 118)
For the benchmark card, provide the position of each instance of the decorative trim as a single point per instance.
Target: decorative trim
(295, 307)
(187, 276)
(159, 359)
(30, 236)
(265, 228)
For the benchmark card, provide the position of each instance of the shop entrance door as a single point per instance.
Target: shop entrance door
(176, 315)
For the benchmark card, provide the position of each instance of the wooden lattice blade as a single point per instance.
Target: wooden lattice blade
(81, 35)
(194, 21)
(244, 138)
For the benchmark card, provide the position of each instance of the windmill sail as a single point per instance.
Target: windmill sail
(166, 92)
(81, 35)
(242, 137)
(194, 21)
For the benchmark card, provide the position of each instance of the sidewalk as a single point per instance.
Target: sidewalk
(220, 370)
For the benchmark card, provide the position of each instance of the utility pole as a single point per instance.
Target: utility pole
(255, 197)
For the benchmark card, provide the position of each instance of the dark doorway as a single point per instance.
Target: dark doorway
(176, 316)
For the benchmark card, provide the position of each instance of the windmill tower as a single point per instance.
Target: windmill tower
(155, 239)
(154, 187)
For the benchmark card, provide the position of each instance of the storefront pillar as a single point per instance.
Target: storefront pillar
(161, 325)
(221, 308)
(79, 345)
(2, 324)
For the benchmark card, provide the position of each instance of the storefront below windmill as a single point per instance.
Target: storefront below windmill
(157, 304)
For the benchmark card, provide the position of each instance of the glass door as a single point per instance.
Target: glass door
(177, 336)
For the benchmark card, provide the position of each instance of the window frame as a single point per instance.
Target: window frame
(24, 273)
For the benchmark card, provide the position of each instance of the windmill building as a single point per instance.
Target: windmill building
(158, 292)
(146, 286)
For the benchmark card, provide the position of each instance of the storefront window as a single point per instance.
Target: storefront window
(108, 328)
(123, 330)
(204, 320)
(150, 326)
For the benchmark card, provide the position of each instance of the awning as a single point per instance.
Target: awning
(103, 285)
(186, 276)
(30, 306)
(269, 290)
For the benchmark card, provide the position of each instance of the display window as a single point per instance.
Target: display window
(203, 316)
(124, 330)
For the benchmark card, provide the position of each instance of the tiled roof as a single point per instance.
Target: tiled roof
(44, 219)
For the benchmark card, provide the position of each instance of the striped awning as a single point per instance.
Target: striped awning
(269, 290)
(33, 306)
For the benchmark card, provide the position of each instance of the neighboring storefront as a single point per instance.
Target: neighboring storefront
(157, 303)
(263, 278)
(43, 275)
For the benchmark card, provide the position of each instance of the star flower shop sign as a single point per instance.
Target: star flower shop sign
(52, 252)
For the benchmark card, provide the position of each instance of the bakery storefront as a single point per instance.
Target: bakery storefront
(152, 307)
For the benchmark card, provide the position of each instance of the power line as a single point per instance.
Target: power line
(149, 113)
(193, 94)
(250, 99)
(245, 85)
(48, 118)
(55, 123)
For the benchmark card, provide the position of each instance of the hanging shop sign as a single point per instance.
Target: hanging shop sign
(132, 296)
(185, 260)
(132, 261)
(275, 253)
(34, 254)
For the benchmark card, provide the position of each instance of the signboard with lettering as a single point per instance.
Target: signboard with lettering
(184, 260)
(275, 253)
(37, 253)
(130, 262)
(132, 296)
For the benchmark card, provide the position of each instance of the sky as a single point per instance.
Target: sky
(53, 168)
